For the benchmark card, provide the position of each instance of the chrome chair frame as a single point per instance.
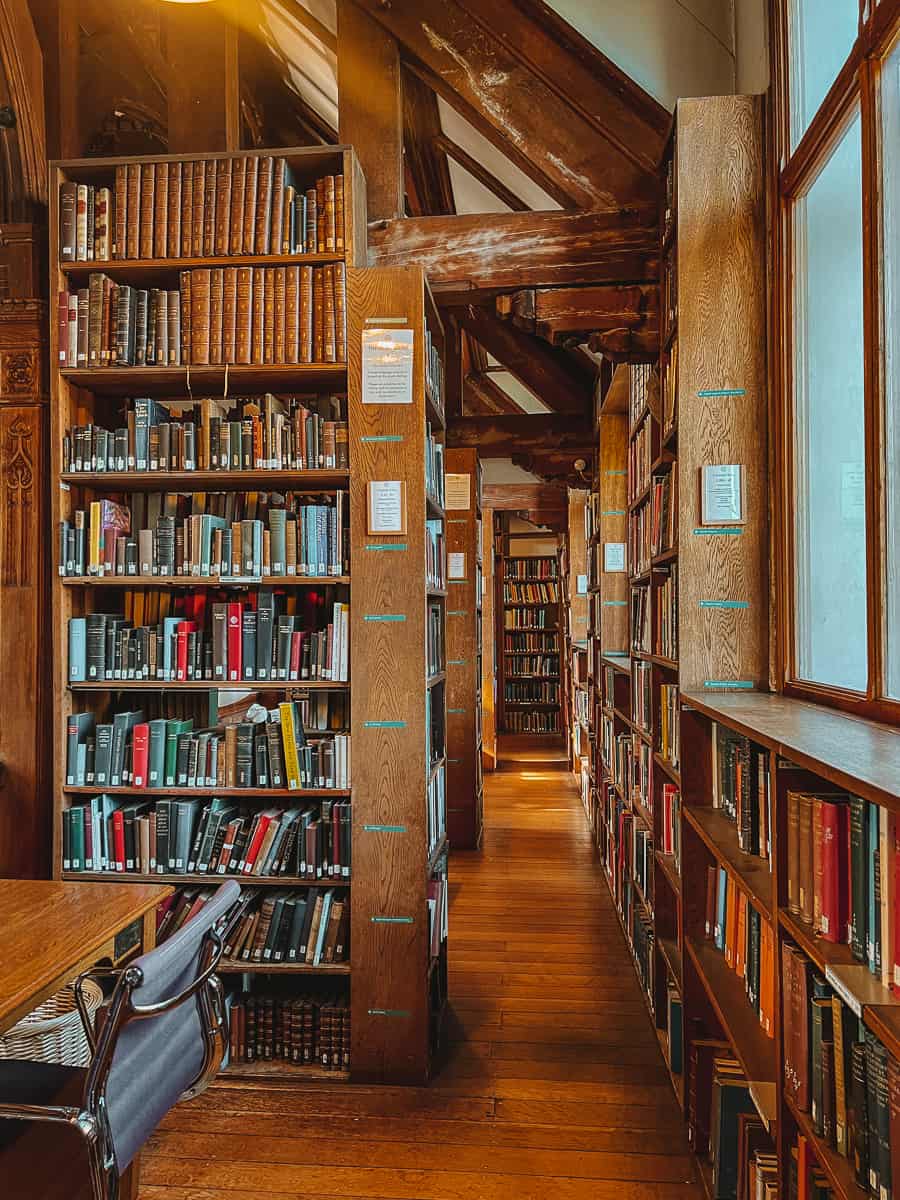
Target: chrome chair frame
(90, 1118)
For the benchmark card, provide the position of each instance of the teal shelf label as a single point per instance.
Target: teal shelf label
(724, 604)
(391, 920)
(456, 521)
(708, 393)
(384, 828)
(388, 1012)
(457, 582)
(456, 662)
(730, 685)
(615, 603)
(457, 612)
(382, 437)
(613, 512)
(384, 617)
(389, 546)
(384, 724)
(455, 710)
(719, 531)
(615, 472)
(456, 762)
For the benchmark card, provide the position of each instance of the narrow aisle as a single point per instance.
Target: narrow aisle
(553, 1083)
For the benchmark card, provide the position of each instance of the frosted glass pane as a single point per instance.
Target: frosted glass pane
(822, 33)
(890, 80)
(829, 424)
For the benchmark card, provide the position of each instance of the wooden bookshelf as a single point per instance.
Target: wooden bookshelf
(399, 987)
(465, 589)
(548, 640)
(398, 991)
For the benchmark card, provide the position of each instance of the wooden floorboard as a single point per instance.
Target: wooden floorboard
(551, 1083)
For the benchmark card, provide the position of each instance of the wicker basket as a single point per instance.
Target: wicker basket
(53, 1033)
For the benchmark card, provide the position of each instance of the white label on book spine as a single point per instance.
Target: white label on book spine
(843, 991)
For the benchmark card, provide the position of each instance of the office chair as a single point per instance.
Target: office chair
(163, 1041)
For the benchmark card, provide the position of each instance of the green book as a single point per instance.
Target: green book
(173, 729)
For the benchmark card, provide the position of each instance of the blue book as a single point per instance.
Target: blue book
(77, 649)
(873, 941)
(721, 898)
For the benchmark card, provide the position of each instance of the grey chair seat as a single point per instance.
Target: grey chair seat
(24, 1082)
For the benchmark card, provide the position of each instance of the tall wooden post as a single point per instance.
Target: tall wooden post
(203, 89)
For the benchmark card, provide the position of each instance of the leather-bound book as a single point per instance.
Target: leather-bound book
(339, 217)
(109, 309)
(121, 212)
(229, 314)
(244, 315)
(263, 214)
(259, 315)
(187, 209)
(340, 311)
(185, 282)
(251, 182)
(330, 215)
(173, 306)
(269, 316)
(276, 220)
(200, 315)
(805, 833)
(148, 202)
(68, 201)
(133, 210)
(893, 1082)
(818, 851)
(292, 314)
(216, 297)
(222, 234)
(209, 207)
(161, 210)
(320, 216)
(278, 315)
(197, 201)
(800, 1028)
(329, 352)
(306, 314)
(318, 320)
(95, 317)
(312, 221)
(834, 921)
(236, 218)
(793, 852)
(173, 220)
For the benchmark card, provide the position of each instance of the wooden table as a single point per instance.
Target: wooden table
(49, 933)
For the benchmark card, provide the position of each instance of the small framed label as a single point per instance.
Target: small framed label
(581, 585)
(722, 494)
(456, 565)
(613, 557)
(457, 491)
(387, 366)
(387, 506)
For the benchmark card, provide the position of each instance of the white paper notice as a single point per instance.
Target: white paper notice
(613, 556)
(386, 506)
(456, 565)
(457, 491)
(853, 491)
(722, 495)
(387, 366)
(581, 585)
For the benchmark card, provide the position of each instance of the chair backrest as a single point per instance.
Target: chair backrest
(155, 1059)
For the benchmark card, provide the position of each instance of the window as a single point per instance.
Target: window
(822, 33)
(890, 105)
(829, 423)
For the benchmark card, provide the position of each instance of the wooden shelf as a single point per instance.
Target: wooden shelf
(283, 1071)
(207, 481)
(253, 793)
(207, 685)
(434, 680)
(619, 662)
(755, 1051)
(204, 380)
(669, 949)
(436, 853)
(838, 1169)
(231, 966)
(666, 863)
(664, 557)
(666, 767)
(152, 270)
(720, 837)
(134, 582)
(292, 881)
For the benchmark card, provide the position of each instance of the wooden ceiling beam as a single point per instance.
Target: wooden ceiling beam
(312, 23)
(425, 160)
(370, 106)
(504, 194)
(560, 314)
(453, 368)
(502, 436)
(527, 116)
(508, 497)
(468, 259)
(552, 377)
(482, 395)
(203, 84)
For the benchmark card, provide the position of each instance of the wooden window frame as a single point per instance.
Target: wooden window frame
(791, 173)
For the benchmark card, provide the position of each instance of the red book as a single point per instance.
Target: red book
(835, 916)
(296, 654)
(181, 648)
(262, 825)
(233, 620)
(896, 972)
(119, 839)
(140, 755)
(62, 329)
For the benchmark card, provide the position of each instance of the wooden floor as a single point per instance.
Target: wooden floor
(553, 1084)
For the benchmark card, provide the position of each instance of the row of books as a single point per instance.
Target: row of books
(724, 1127)
(438, 914)
(530, 569)
(530, 593)
(669, 741)
(435, 554)
(200, 208)
(669, 387)
(434, 466)
(532, 722)
(665, 637)
(304, 1031)
(530, 643)
(434, 370)
(222, 643)
(106, 540)
(843, 860)
(641, 694)
(640, 620)
(839, 1072)
(670, 831)
(640, 383)
(528, 665)
(664, 511)
(639, 545)
(806, 1179)
(435, 722)
(742, 789)
(250, 434)
(311, 926)
(528, 618)
(216, 316)
(275, 752)
(182, 835)
(640, 460)
(618, 759)
(534, 691)
(435, 660)
(738, 929)
(436, 806)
